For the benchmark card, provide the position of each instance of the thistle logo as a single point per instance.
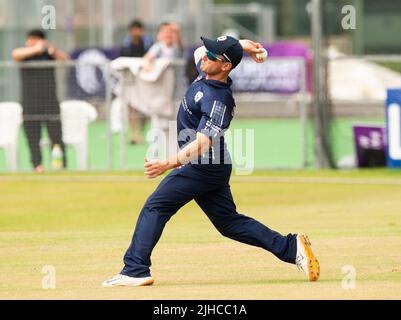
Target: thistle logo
(394, 128)
(198, 96)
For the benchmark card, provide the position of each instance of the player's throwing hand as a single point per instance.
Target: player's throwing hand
(252, 49)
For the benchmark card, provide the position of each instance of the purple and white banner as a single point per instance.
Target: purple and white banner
(281, 73)
(370, 145)
(278, 76)
(87, 78)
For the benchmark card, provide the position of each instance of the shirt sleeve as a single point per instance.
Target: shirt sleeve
(147, 42)
(199, 53)
(154, 50)
(216, 117)
(198, 68)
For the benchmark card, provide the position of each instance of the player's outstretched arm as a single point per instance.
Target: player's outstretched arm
(20, 54)
(192, 151)
(252, 49)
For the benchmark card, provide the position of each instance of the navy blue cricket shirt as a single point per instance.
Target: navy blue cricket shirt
(208, 107)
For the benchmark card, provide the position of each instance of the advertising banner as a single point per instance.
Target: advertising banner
(87, 79)
(393, 119)
(370, 145)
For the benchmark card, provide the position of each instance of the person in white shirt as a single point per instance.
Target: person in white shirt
(169, 45)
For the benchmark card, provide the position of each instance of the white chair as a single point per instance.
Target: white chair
(10, 122)
(115, 115)
(76, 115)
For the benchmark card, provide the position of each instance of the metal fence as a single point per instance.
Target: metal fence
(56, 97)
(53, 90)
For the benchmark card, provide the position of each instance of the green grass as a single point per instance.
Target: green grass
(395, 66)
(82, 224)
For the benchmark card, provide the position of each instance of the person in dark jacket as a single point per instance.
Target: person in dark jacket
(137, 43)
(39, 94)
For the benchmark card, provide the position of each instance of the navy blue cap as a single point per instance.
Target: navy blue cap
(227, 46)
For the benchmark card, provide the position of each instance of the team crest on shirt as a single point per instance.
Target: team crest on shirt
(198, 96)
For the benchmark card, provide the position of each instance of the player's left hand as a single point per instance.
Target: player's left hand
(155, 168)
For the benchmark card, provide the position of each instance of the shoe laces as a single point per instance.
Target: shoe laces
(118, 277)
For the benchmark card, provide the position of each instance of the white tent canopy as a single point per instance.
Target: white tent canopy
(356, 79)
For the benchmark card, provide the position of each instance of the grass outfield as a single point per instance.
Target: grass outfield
(82, 223)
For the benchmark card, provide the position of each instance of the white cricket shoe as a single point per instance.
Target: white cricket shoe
(121, 280)
(305, 259)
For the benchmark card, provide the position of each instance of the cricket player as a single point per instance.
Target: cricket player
(201, 171)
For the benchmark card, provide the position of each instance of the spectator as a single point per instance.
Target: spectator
(169, 44)
(39, 94)
(136, 45)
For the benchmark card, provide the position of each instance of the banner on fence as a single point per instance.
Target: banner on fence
(393, 119)
(370, 145)
(87, 79)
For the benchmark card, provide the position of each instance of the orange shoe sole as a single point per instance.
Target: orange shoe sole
(148, 283)
(313, 263)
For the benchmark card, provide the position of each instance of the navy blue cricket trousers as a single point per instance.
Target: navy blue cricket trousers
(209, 186)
